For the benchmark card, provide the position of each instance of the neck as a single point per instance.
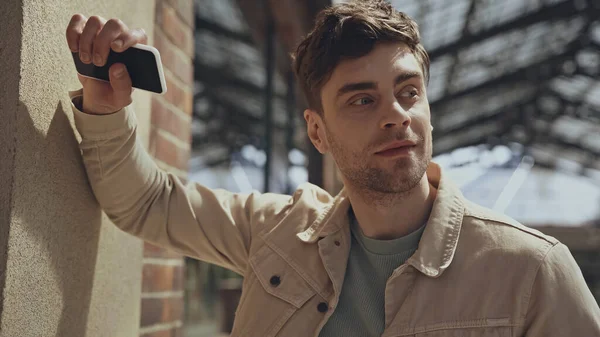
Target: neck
(386, 216)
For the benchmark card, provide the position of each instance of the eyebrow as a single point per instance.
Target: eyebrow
(350, 87)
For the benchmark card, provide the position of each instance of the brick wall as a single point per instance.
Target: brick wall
(163, 272)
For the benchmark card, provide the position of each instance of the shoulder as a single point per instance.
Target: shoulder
(503, 224)
(487, 230)
(306, 197)
(508, 253)
(307, 202)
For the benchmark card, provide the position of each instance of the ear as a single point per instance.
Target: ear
(315, 128)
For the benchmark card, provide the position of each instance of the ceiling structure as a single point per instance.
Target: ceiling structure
(242, 101)
(232, 74)
(523, 71)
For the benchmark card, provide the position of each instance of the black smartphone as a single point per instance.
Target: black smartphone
(142, 62)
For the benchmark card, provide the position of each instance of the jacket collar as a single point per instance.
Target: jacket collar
(440, 238)
(331, 219)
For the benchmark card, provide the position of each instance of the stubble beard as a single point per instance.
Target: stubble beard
(379, 184)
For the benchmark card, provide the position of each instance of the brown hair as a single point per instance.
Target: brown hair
(348, 31)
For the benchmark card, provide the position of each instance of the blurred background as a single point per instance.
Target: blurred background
(515, 102)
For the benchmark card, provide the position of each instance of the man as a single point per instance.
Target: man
(399, 252)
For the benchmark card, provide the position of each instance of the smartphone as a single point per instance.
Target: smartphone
(142, 62)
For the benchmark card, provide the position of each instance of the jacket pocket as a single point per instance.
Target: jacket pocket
(469, 332)
(273, 292)
(501, 327)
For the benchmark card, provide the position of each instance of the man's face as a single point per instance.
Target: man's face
(371, 104)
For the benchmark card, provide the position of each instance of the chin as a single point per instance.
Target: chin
(413, 170)
(405, 163)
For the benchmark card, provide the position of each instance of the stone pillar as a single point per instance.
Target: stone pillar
(65, 270)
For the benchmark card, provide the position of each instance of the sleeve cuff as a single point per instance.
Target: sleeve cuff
(99, 127)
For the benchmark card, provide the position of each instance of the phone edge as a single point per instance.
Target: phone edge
(161, 74)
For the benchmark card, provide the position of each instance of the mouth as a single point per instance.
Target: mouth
(395, 149)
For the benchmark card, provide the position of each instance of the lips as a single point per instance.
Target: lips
(396, 146)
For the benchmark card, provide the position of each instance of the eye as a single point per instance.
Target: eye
(362, 101)
(410, 93)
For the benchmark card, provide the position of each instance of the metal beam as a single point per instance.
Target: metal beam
(497, 116)
(465, 33)
(203, 24)
(239, 113)
(304, 15)
(561, 10)
(223, 77)
(543, 70)
(270, 61)
(591, 163)
(291, 130)
(509, 117)
(566, 145)
(441, 149)
(255, 13)
(577, 102)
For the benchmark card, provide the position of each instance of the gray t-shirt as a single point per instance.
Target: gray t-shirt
(360, 311)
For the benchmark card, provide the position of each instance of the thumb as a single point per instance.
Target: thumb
(121, 84)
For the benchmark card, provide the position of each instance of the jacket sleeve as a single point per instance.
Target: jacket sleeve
(216, 226)
(561, 303)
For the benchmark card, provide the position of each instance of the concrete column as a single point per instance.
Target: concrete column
(65, 270)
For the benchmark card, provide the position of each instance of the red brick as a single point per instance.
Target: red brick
(178, 64)
(151, 250)
(161, 310)
(184, 70)
(164, 118)
(179, 96)
(188, 102)
(159, 278)
(165, 47)
(185, 9)
(176, 332)
(178, 32)
(164, 333)
(168, 152)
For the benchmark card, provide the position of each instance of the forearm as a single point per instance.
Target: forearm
(156, 206)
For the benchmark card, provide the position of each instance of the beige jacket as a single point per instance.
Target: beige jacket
(475, 273)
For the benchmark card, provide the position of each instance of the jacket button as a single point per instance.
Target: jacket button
(275, 280)
(322, 307)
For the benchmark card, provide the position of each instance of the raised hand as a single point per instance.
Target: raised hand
(93, 38)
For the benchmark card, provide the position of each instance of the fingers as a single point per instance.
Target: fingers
(128, 39)
(121, 84)
(86, 41)
(74, 30)
(102, 43)
(94, 37)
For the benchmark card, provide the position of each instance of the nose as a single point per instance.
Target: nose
(395, 116)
